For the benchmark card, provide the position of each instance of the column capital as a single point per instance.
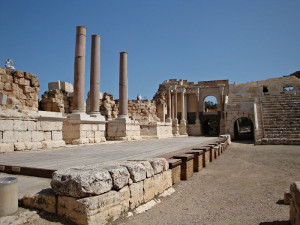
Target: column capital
(181, 90)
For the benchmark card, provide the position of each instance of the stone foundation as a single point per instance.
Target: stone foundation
(156, 130)
(30, 130)
(123, 129)
(194, 129)
(84, 129)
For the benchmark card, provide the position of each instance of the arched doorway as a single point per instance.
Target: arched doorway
(210, 104)
(211, 127)
(243, 129)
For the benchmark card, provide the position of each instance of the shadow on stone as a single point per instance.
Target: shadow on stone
(280, 202)
(287, 222)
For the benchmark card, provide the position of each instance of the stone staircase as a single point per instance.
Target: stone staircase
(281, 119)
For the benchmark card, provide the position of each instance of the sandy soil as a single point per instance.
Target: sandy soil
(243, 186)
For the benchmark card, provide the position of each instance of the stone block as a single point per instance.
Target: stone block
(53, 144)
(23, 136)
(148, 167)
(56, 135)
(81, 181)
(150, 187)
(198, 159)
(44, 200)
(37, 136)
(7, 87)
(6, 78)
(6, 125)
(33, 145)
(119, 174)
(136, 194)
(49, 125)
(99, 134)
(10, 136)
(167, 180)
(94, 210)
(137, 171)
(19, 146)
(31, 125)
(90, 134)
(48, 136)
(187, 166)
(6, 147)
(295, 203)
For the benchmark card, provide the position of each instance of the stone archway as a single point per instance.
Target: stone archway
(243, 129)
(233, 122)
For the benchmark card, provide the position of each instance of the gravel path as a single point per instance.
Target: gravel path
(244, 186)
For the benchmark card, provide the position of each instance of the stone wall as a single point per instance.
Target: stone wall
(18, 90)
(58, 98)
(156, 130)
(29, 130)
(142, 110)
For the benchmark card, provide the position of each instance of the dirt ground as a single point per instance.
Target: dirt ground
(245, 185)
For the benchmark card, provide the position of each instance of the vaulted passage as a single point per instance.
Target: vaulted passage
(243, 129)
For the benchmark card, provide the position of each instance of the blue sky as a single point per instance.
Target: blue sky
(192, 40)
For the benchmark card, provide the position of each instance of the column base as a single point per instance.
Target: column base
(123, 129)
(175, 128)
(182, 127)
(83, 129)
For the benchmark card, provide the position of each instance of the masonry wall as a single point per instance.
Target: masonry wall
(18, 90)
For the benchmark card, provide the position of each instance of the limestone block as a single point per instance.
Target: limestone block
(37, 136)
(90, 134)
(23, 136)
(81, 181)
(295, 204)
(137, 171)
(19, 146)
(31, 125)
(119, 174)
(6, 147)
(18, 74)
(7, 87)
(6, 125)
(176, 172)
(80, 141)
(136, 194)
(33, 145)
(48, 136)
(94, 210)
(10, 136)
(49, 125)
(167, 180)
(56, 135)
(1, 85)
(148, 167)
(53, 144)
(44, 200)
(99, 134)
(6, 78)
(150, 187)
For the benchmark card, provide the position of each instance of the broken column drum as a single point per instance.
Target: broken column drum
(123, 89)
(79, 70)
(95, 75)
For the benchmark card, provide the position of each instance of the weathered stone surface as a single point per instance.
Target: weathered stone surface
(137, 170)
(44, 200)
(6, 147)
(136, 194)
(119, 174)
(95, 210)
(81, 181)
(295, 204)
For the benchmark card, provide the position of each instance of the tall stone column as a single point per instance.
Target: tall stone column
(123, 88)
(172, 106)
(95, 75)
(175, 105)
(197, 107)
(163, 109)
(183, 121)
(169, 102)
(79, 70)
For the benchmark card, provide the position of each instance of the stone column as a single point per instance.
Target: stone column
(169, 106)
(95, 75)
(172, 106)
(123, 89)
(163, 109)
(183, 121)
(197, 107)
(175, 105)
(186, 105)
(79, 70)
